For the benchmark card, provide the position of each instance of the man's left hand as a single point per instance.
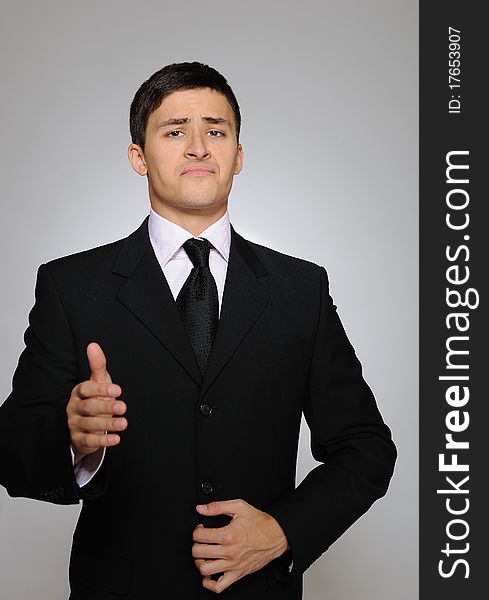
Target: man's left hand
(251, 540)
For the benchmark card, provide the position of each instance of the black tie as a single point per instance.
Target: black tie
(197, 301)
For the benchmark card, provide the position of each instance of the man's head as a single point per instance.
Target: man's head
(185, 128)
(172, 78)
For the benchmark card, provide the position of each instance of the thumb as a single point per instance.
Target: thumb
(220, 507)
(97, 363)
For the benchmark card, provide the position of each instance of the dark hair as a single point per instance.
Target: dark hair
(174, 77)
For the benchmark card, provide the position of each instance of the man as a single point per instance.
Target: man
(165, 375)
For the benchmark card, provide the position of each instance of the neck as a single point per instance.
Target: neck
(195, 221)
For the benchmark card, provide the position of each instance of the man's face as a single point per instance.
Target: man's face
(191, 154)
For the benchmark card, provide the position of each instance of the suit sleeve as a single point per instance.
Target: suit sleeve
(35, 457)
(349, 438)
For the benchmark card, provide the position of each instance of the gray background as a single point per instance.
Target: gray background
(328, 92)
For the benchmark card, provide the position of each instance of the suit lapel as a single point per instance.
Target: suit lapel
(147, 295)
(244, 298)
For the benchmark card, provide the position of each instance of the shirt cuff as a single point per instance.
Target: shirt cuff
(88, 467)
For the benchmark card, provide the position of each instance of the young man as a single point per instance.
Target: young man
(165, 375)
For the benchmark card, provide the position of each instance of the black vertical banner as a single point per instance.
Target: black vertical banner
(454, 267)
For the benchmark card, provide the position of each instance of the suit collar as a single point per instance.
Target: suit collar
(133, 249)
(147, 295)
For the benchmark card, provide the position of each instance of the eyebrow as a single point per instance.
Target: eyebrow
(183, 120)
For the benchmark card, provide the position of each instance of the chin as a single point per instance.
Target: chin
(203, 206)
(200, 202)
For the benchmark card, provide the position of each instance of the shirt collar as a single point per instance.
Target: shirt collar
(167, 237)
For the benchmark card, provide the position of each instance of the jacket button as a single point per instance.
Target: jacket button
(207, 488)
(205, 409)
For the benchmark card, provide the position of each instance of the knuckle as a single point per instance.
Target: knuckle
(91, 440)
(103, 389)
(79, 422)
(95, 425)
(71, 408)
(81, 441)
(229, 538)
(81, 389)
(108, 406)
(84, 407)
(76, 440)
(86, 439)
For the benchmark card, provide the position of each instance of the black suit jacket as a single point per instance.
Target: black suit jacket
(280, 351)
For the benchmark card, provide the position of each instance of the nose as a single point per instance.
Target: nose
(197, 145)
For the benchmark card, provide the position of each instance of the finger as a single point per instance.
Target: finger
(209, 551)
(210, 567)
(97, 363)
(92, 389)
(90, 442)
(213, 535)
(222, 583)
(100, 424)
(223, 507)
(97, 407)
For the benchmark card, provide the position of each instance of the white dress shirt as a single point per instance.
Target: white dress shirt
(167, 239)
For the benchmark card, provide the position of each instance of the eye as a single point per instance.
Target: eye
(215, 133)
(175, 133)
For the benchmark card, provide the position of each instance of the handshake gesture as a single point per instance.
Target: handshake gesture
(94, 413)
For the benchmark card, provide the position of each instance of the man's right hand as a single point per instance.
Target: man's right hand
(93, 411)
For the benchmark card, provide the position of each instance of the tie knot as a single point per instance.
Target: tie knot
(198, 251)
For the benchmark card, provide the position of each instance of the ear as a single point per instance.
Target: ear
(239, 160)
(135, 155)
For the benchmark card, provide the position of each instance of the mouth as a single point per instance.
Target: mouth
(198, 172)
